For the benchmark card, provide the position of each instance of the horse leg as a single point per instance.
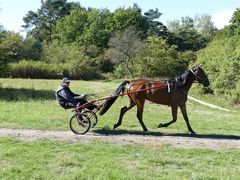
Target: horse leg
(185, 116)
(174, 116)
(123, 111)
(140, 106)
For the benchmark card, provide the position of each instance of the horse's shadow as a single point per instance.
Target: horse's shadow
(108, 132)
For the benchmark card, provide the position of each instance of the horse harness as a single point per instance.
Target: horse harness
(176, 84)
(173, 85)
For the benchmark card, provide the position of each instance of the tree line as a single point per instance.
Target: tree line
(64, 38)
(221, 59)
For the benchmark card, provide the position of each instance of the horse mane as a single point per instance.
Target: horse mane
(182, 79)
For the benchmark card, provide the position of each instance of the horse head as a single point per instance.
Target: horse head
(201, 76)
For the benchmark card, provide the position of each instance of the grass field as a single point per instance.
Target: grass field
(56, 160)
(31, 104)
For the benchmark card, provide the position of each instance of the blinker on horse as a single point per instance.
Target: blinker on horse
(172, 92)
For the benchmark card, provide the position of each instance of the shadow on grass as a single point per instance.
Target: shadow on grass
(206, 136)
(12, 94)
(107, 131)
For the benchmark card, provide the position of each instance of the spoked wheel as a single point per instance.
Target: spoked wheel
(93, 118)
(80, 123)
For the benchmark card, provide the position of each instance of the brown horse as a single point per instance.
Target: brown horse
(172, 92)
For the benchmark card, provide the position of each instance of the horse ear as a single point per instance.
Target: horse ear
(198, 66)
(195, 67)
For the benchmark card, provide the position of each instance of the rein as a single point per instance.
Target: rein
(197, 77)
(127, 93)
(108, 97)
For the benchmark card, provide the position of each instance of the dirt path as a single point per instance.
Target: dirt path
(129, 137)
(208, 104)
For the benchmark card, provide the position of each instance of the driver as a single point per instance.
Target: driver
(67, 99)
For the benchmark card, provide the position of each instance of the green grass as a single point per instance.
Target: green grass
(26, 103)
(96, 160)
(31, 104)
(211, 98)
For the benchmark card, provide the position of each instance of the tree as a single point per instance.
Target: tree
(234, 27)
(123, 18)
(235, 20)
(221, 61)
(9, 49)
(153, 26)
(70, 28)
(185, 36)
(174, 25)
(1, 28)
(94, 27)
(159, 59)
(41, 24)
(64, 53)
(30, 49)
(9, 46)
(97, 30)
(125, 45)
(85, 28)
(205, 27)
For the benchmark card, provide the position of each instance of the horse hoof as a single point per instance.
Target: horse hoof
(146, 132)
(115, 126)
(193, 133)
(160, 125)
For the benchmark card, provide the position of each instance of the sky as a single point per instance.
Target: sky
(13, 11)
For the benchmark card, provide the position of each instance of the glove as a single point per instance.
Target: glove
(82, 96)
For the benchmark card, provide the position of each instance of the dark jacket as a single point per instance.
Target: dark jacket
(65, 96)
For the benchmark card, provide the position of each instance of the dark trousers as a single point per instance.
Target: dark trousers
(77, 103)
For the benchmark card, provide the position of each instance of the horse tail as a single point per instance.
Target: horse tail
(111, 100)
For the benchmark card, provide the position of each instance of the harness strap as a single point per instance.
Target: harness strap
(197, 77)
(193, 72)
(168, 86)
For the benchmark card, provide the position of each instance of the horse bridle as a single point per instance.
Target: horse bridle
(198, 78)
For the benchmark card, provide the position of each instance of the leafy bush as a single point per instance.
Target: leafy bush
(120, 71)
(79, 65)
(43, 70)
(221, 60)
(10, 44)
(62, 53)
(37, 70)
(85, 69)
(160, 59)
